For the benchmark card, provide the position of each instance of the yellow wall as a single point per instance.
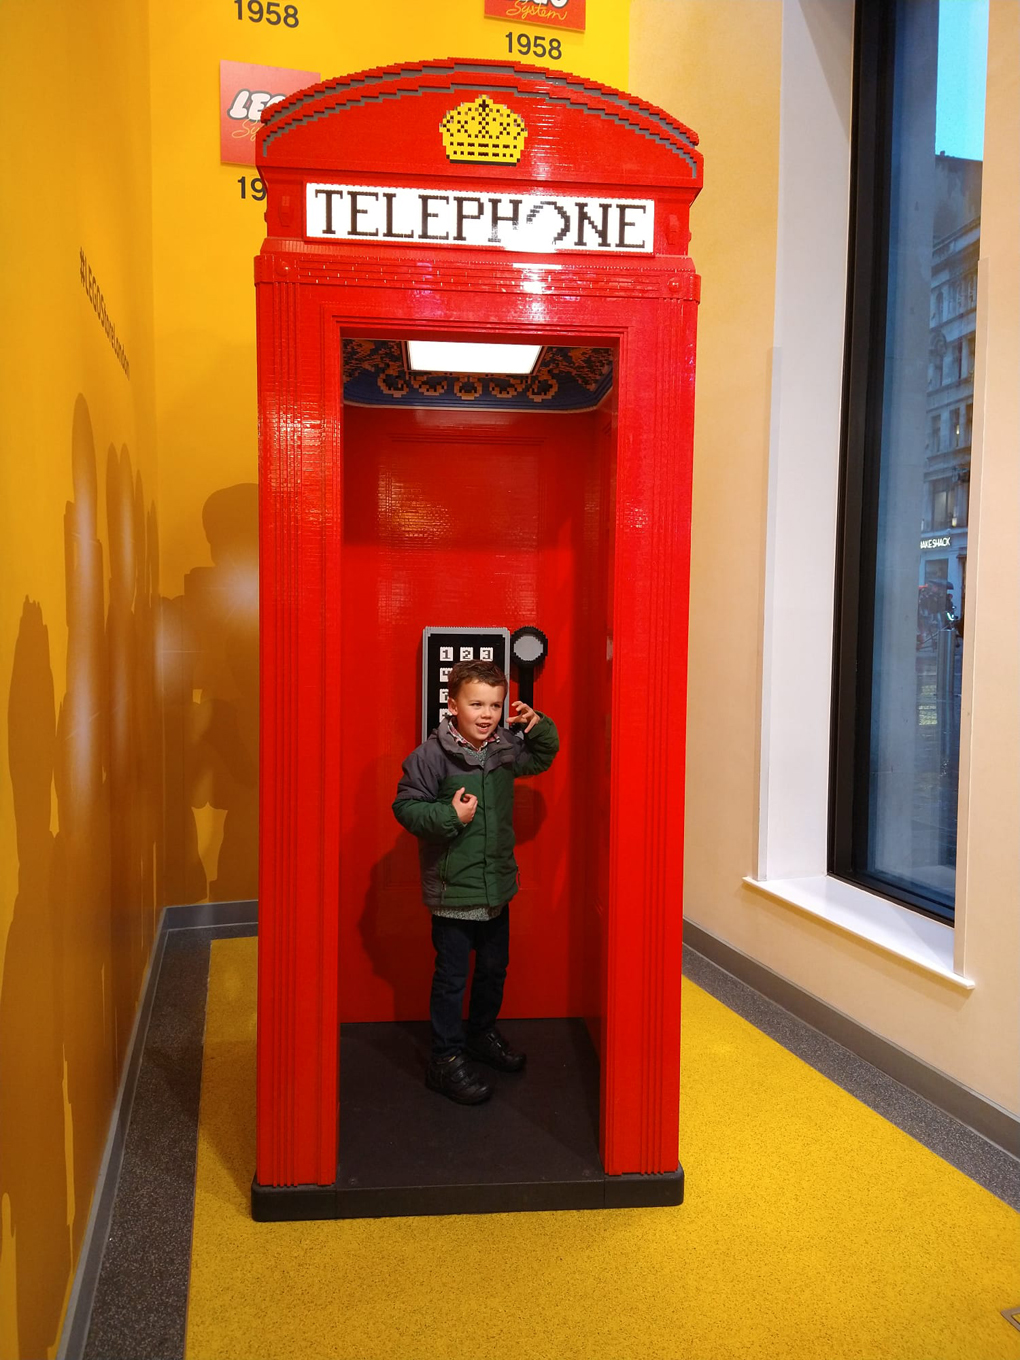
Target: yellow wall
(718, 67)
(205, 358)
(129, 734)
(80, 779)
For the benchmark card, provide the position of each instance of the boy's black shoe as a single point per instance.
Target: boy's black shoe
(452, 1078)
(490, 1047)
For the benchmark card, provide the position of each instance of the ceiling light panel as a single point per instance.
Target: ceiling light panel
(454, 356)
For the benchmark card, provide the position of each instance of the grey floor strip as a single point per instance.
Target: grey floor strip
(140, 1305)
(199, 915)
(991, 1121)
(79, 1305)
(956, 1143)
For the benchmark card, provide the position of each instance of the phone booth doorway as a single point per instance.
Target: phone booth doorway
(472, 201)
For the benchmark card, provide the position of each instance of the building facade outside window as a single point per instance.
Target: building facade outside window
(915, 238)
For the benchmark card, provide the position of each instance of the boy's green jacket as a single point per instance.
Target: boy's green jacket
(469, 865)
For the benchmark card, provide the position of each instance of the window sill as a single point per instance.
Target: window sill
(907, 935)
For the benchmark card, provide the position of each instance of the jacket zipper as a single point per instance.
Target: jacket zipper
(442, 874)
(442, 877)
(485, 836)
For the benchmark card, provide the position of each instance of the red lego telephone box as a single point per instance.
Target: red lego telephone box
(471, 200)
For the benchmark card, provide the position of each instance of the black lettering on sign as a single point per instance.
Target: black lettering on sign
(427, 215)
(462, 214)
(329, 229)
(390, 233)
(357, 210)
(564, 217)
(521, 222)
(623, 209)
(497, 217)
(584, 219)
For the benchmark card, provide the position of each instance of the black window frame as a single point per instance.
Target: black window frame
(861, 438)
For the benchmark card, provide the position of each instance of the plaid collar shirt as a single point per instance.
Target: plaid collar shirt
(463, 741)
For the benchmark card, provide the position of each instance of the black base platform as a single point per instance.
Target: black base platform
(406, 1150)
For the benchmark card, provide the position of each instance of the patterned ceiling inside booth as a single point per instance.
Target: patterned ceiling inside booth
(564, 379)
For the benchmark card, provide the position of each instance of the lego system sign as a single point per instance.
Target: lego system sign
(530, 223)
(552, 13)
(245, 90)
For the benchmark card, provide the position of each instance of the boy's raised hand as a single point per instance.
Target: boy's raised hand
(524, 714)
(464, 804)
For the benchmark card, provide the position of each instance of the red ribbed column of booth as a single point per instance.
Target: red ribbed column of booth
(299, 478)
(641, 1021)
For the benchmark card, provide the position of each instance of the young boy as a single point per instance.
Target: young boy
(456, 795)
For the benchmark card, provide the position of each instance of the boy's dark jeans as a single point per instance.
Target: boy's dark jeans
(454, 941)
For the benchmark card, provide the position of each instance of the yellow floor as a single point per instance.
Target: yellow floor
(813, 1230)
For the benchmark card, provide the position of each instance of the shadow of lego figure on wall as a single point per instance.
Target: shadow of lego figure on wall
(211, 633)
(132, 747)
(85, 913)
(33, 1182)
(83, 846)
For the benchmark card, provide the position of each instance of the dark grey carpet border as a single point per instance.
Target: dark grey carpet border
(977, 1137)
(200, 915)
(83, 1288)
(130, 1288)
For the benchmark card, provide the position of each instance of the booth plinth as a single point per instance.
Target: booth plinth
(405, 1150)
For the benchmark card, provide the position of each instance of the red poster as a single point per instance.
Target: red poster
(550, 14)
(245, 90)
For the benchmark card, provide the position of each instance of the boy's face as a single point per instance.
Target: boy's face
(477, 710)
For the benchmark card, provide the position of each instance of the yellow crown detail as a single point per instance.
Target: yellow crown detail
(484, 131)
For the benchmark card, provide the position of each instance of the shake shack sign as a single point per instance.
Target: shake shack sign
(450, 217)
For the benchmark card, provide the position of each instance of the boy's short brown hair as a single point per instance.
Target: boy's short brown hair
(485, 672)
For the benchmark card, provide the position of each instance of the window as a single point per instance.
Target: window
(940, 503)
(938, 361)
(935, 442)
(948, 503)
(915, 234)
